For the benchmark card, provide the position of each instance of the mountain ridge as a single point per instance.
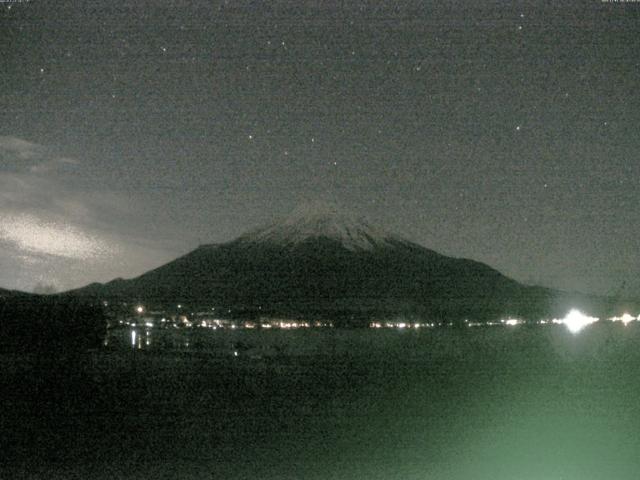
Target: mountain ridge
(340, 267)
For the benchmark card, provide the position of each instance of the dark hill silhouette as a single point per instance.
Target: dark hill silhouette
(12, 293)
(332, 265)
(48, 324)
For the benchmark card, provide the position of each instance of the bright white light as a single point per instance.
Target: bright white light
(133, 338)
(139, 309)
(576, 320)
(625, 318)
(511, 322)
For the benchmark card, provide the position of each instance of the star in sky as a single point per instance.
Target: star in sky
(419, 103)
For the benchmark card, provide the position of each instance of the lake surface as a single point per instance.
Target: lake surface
(484, 403)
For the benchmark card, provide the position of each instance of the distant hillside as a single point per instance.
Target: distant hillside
(13, 293)
(332, 265)
(49, 324)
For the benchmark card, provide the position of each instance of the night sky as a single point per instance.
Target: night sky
(506, 132)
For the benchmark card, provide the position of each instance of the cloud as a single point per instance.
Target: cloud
(49, 187)
(32, 234)
(18, 156)
(60, 224)
(52, 165)
(22, 149)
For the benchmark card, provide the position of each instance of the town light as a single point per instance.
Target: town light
(576, 320)
(625, 319)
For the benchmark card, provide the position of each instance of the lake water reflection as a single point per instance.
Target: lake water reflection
(439, 341)
(501, 403)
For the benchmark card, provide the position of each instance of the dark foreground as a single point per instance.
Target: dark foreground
(487, 403)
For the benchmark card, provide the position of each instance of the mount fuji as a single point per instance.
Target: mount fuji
(328, 264)
(304, 224)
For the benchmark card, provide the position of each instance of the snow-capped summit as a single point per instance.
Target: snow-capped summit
(328, 222)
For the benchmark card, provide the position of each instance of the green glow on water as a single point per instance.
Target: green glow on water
(495, 404)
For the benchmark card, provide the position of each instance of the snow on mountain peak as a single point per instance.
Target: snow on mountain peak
(352, 232)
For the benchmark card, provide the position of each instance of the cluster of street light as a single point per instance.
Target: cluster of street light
(575, 321)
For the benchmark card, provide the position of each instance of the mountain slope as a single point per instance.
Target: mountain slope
(13, 293)
(337, 266)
